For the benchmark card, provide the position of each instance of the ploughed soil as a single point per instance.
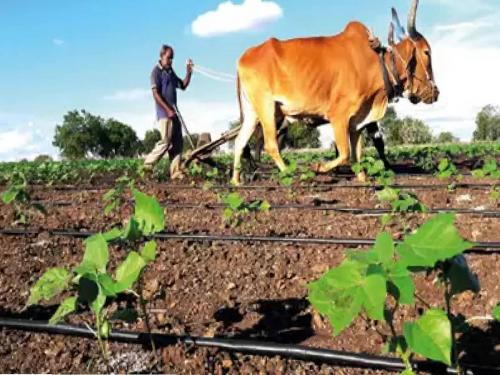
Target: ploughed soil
(232, 289)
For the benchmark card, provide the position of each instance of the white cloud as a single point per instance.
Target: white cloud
(129, 95)
(58, 42)
(465, 62)
(230, 17)
(15, 140)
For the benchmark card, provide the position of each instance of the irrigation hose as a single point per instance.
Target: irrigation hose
(313, 207)
(251, 347)
(480, 248)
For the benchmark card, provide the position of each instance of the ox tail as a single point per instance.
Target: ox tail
(240, 104)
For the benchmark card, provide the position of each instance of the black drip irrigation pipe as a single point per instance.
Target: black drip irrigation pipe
(251, 347)
(477, 186)
(480, 248)
(311, 207)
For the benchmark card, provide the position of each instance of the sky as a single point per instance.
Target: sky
(60, 55)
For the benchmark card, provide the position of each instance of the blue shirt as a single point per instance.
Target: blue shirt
(167, 83)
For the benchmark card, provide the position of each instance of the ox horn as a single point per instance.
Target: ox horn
(412, 21)
(391, 34)
(400, 31)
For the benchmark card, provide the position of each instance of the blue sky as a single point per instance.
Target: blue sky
(97, 55)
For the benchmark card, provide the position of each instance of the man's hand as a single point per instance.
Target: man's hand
(170, 114)
(189, 66)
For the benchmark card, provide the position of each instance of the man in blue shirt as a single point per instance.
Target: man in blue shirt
(164, 83)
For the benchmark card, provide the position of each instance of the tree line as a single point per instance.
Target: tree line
(84, 135)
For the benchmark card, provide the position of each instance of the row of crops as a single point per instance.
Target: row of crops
(426, 158)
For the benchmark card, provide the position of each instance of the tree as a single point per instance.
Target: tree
(82, 135)
(446, 137)
(43, 159)
(119, 140)
(405, 131)
(488, 124)
(415, 132)
(300, 135)
(151, 138)
(78, 136)
(391, 127)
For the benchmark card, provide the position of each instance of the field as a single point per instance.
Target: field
(248, 279)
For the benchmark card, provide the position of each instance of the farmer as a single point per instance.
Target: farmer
(164, 83)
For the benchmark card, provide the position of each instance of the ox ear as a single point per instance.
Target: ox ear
(400, 31)
(390, 37)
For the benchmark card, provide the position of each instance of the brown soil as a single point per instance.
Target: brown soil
(243, 290)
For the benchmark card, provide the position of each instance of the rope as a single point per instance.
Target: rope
(212, 74)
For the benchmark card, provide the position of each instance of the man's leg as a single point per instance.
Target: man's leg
(175, 151)
(378, 141)
(161, 147)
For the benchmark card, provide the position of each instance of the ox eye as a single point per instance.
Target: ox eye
(427, 53)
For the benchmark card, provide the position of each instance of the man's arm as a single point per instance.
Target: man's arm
(189, 72)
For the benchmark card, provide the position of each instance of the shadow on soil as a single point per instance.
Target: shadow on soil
(285, 321)
(480, 346)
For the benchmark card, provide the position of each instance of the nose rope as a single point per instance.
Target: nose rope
(212, 74)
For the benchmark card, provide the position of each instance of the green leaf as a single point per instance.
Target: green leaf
(96, 252)
(265, 206)
(388, 194)
(107, 285)
(10, 195)
(436, 240)
(148, 252)
(126, 315)
(52, 282)
(85, 268)
(496, 312)
(129, 271)
(343, 291)
(112, 234)
(430, 336)
(98, 303)
(461, 276)
(148, 213)
(65, 308)
(132, 232)
(400, 278)
(384, 248)
(234, 201)
(228, 214)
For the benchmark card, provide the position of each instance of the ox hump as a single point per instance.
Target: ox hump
(356, 28)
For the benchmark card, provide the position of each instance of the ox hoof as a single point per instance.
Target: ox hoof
(362, 177)
(319, 168)
(236, 182)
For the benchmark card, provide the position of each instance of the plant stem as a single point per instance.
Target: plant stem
(142, 302)
(102, 347)
(447, 297)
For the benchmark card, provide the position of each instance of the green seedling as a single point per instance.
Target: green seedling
(376, 283)
(446, 169)
(237, 208)
(489, 169)
(115, 197)
(18, 197)
(375, 170)
(286, 177)
(91, 284)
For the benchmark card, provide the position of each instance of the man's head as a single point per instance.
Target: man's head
(415, 53)
(166, 56)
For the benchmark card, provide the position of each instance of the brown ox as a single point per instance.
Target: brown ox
(337, 79)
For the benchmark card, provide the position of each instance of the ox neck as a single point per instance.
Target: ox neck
(393, 72)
